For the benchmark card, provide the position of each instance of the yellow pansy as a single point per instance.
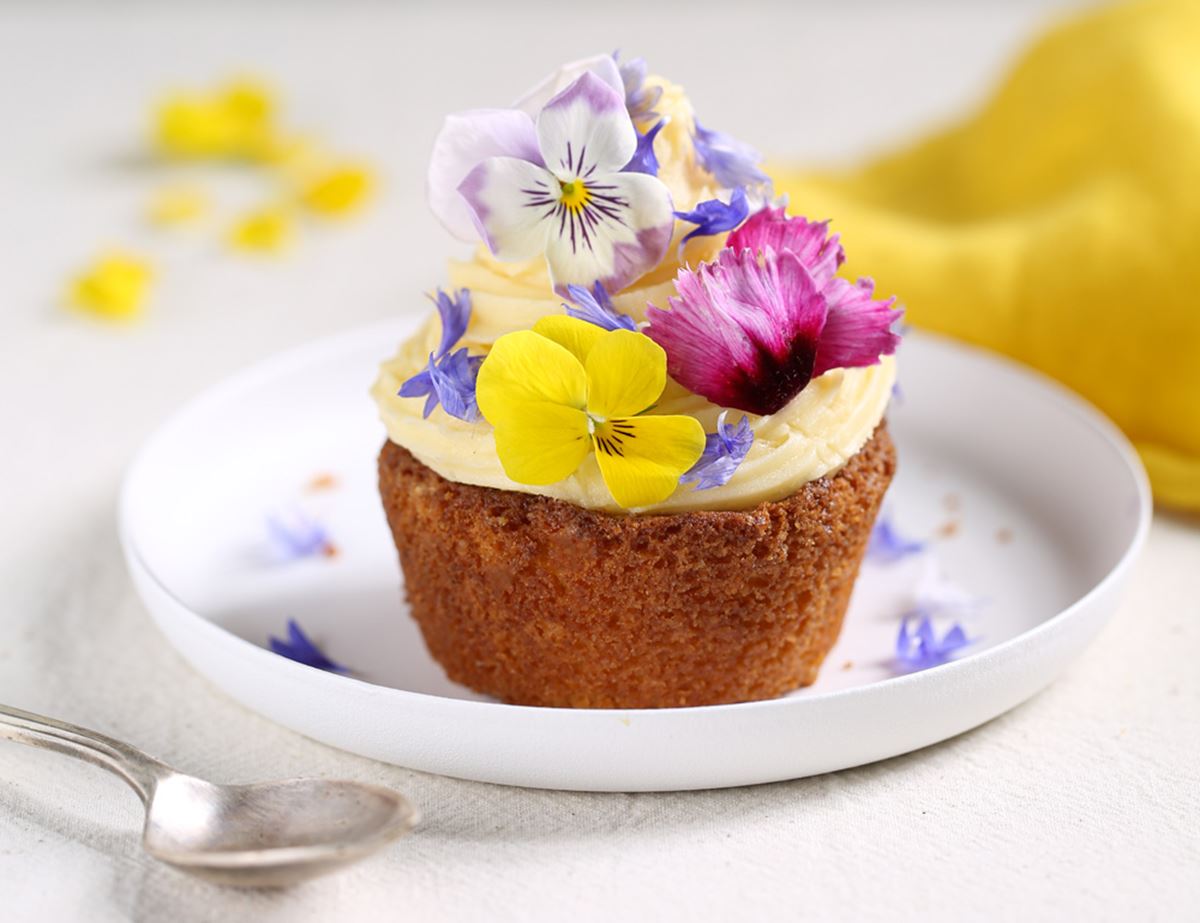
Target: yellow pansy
(567, 388)
(266, 230)
(113, 287)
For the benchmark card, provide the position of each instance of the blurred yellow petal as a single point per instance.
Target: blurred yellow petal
(571, 333)
(544, 444)
(177, 205)
(338, 190)
(235, 122)
(525, 371)
(265, 230)
(641, 458)
(113, 287)
(626, 374)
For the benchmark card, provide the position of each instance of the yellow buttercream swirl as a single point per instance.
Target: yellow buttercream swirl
(814, 435)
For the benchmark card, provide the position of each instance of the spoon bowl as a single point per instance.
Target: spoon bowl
(270, 834)
(266, 835)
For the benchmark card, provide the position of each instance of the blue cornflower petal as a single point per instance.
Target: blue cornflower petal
(297, 536)
(449, 378)
(715, 216)
(643, 159)
(640, 100)
(417, 386)
(455, 313)
(454, 382)
(887, 545)
(922, 649)
(724, 450)
(300, 648)
(596, 307)
(732, 162)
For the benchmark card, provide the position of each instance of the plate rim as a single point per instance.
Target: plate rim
(387, 331)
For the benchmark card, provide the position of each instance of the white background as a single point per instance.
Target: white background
(1083, 803)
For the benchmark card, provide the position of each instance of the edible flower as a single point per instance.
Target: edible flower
(237, 121)
(724, 450)
(887, 545)
(296, 536)
(752, 328)
(567, 388)
(921, 648)
(596, 307)
(644, 159)
(555, 188)
(300, 648)
(113, 287)
(731, 162)
(337, 189)
(174, 205)
(714, 216)
(640, 99)
(449, 377)
(265, 230)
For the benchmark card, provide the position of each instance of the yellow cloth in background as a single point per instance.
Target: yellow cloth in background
(1061, 225)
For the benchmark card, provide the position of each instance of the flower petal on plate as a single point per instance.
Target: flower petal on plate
(465, 141)
(626, 374)
(642, 458)
(525, 368)
(618, 234)
(545, 443)
(602, 65)
(512, 203)
(858, 330)
(575, 335)
(585, 130)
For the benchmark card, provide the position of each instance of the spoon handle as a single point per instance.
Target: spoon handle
(140, 771)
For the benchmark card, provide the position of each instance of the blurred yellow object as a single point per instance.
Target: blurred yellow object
(114, 287)
(338, 189)
(265, 230)
(1061, 225)
(236, 122)
(177, 205)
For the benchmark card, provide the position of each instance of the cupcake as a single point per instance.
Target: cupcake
(635, 453)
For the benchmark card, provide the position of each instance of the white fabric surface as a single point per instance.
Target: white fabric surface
(1084, 803)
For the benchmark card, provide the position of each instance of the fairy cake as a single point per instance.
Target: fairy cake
(635, 453)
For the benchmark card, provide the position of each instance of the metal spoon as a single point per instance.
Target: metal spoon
(267, 835)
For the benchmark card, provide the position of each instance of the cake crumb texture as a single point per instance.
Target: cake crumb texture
(538, 602)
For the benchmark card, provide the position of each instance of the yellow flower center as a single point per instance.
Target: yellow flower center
(575, 195)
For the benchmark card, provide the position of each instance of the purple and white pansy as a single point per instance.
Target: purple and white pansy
(557, 188)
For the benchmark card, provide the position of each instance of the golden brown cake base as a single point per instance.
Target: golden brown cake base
(538, 602)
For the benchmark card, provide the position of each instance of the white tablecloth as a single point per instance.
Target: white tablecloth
(1084, 803)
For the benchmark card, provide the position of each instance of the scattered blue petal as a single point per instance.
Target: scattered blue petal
(300, 648)
(724, 450)
(732, 162)
(449, 378)
(643, 159)
(921, 649)
(715, 216)
(640, 99)
(456, 314)
(897, 393)
(887, 545)
(453, 378)
(297, 536)
(596, 307)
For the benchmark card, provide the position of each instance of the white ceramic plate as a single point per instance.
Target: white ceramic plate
(1036, 505)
